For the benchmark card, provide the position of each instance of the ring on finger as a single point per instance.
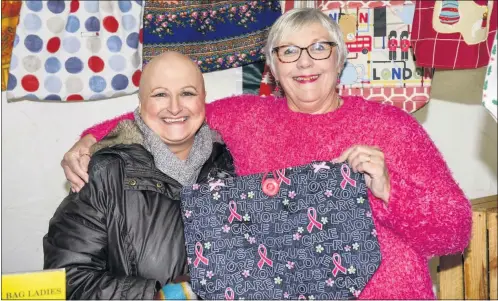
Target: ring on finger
(369, 158)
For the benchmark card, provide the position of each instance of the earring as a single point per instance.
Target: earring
(278, 89)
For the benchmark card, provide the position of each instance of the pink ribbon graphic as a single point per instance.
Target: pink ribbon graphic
(200, 257)
(317, 167)
(313, 222)
(232, 206)
(301, 297)
(264, 259)
(229, 294)
(336, 258)
(345, 172)
(282, 177)
(271, 186)
(214, 185)
(279, 176)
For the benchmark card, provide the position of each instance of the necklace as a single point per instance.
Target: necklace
(339, 104)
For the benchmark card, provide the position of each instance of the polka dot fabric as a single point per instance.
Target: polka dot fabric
(76, 50)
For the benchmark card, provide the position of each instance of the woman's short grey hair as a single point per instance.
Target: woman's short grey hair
(294, 20)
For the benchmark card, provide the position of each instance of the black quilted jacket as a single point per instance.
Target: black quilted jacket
(121, 236)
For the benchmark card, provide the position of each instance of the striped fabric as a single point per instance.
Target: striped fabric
(449, 12)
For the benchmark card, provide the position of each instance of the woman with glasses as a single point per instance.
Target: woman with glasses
(418, 208)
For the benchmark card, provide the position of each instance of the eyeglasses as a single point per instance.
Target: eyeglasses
(292, 53)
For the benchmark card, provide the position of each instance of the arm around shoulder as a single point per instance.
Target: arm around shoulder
(224, 113)
(100, 130)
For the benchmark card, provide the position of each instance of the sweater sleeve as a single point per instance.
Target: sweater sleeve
(426, 205)
(99, 131)
(222, 113)
(225, 113)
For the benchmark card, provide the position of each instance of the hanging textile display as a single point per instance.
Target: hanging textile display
(216, 34)
(290, 4)
(10, 18)
(253, 72)
(380, 66)
(251, 80)
(489, 97)
(444, 37)
(76, 50)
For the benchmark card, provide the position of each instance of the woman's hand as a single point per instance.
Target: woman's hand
(178, 289)
(75, 162)
(182, 278)
(370, 161)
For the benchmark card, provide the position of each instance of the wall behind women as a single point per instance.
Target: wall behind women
(36, 135)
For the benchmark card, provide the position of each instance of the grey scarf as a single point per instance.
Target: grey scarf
(184, 171)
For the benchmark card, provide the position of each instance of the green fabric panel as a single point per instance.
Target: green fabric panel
(251, 77)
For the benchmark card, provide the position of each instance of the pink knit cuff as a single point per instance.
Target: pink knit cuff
(388, 213)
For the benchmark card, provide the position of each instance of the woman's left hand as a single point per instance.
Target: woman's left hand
(370, 161)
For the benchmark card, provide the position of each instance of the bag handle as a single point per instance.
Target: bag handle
(271, 186)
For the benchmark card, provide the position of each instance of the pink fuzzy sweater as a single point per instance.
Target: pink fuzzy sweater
(427, 214)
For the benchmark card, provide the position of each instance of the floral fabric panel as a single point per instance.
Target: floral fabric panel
(217, 35)
(304, 232)
(489, 97)
(76, 50)
(10, 18)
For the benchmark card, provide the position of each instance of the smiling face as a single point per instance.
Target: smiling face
(309, 84)
(172, 99)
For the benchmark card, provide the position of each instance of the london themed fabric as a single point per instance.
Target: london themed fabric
(380, 65)
(304, 232)
(454, 34)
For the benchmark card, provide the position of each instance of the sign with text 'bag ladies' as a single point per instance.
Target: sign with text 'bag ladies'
(298, 233)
